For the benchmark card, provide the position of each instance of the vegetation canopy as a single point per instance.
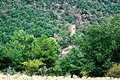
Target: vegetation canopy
(60, 37)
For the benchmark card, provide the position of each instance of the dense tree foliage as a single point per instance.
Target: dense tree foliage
(18, 48)
(28, 28)
(74, 63)
(47, 49)
(15, 15)
(100, 45)
(23, 47)
(42, 17)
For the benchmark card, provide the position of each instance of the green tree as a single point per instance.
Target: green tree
(100, 45)
(47, 49)
(19, 48)
(74, 63)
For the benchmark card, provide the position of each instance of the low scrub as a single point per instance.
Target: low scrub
(114, 71)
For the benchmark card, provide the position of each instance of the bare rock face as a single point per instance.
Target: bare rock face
(67, 49)
(71, 30)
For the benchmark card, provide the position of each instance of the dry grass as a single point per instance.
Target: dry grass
(34, 77)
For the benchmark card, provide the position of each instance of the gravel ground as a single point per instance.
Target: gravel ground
(34, 77)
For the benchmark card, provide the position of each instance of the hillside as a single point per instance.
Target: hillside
(38, 31)
(48, 17)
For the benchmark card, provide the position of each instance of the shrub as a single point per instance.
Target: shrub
(114, 71)
(9, 70)
(32, 66)
(42, 71)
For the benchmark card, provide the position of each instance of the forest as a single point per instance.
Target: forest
(35, 33)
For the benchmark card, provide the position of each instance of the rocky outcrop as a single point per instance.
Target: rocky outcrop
(71, 30)
(67, 49)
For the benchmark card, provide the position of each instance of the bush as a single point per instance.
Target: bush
(32, 66)
(42, 71)
(114, 71)
(9, 70)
